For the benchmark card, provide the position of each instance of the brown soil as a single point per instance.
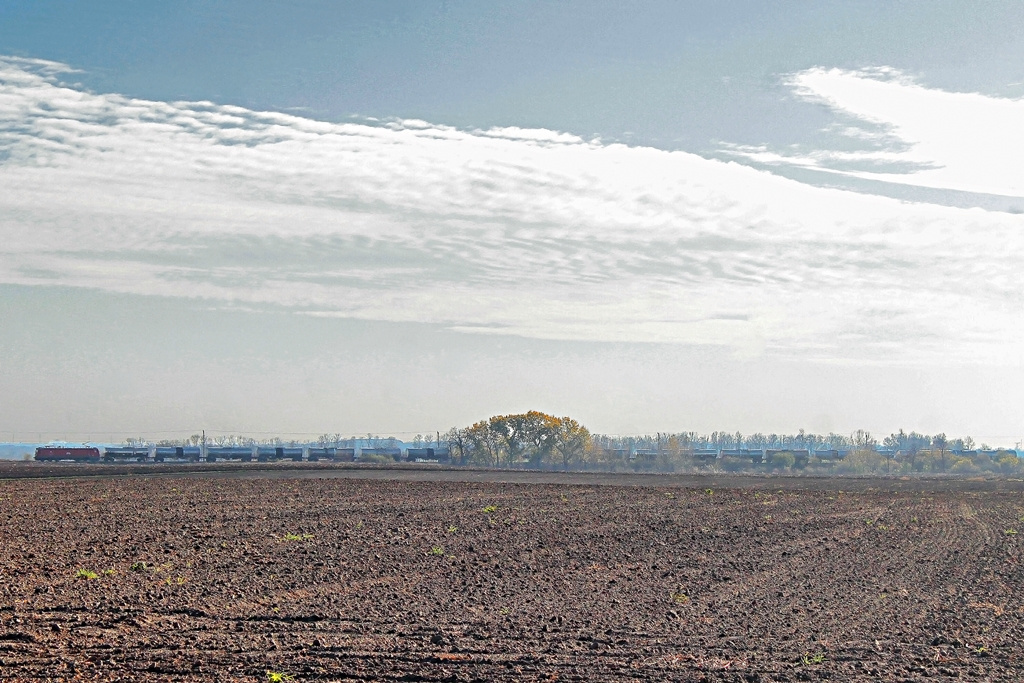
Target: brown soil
(357, 578)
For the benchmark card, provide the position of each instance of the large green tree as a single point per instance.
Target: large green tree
(569, 439)
(532, 438)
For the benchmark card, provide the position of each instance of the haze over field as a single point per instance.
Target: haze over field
(335, 217)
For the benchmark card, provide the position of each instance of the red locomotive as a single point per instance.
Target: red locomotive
(72, 453)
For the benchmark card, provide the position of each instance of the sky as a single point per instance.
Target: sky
(395, 218)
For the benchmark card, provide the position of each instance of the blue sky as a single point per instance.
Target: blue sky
(408, 216)
(676, 75)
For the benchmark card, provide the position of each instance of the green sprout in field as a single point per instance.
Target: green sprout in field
(490, 509)
(109, 572)
(278, 677)
(86, 574)
(1010, 532)
(709, 492)
(138, 567)
(437, 550)
(297, 537)
(679, 597)
(452, 528)
(816, 658)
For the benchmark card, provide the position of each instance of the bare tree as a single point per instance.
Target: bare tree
(940, 442)
(459, 444)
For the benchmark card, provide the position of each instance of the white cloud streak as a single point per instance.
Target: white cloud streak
(913, 135)
(528, 232)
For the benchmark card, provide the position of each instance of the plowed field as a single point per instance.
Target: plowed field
(335, 579)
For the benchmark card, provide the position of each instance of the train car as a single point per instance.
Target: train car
(705, 455)
(57, 453)
(215, 453)
(332, 454)
(316, 453)
(438, 455)
(293, 453)
(828, 455)
(136, 453)
(754, 455)
(419, 455)
(186, 453)
(274, 453)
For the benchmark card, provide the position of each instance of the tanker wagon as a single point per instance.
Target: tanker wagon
(72, 453)
(215, 453)
(275, 453)
(332, 454)
(115, 453)
(186, 453)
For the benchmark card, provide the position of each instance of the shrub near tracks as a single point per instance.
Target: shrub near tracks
(334, 579)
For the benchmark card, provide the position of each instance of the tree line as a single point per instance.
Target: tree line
(723, 440)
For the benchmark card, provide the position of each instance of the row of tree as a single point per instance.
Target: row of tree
(930, 459)
(721, 440)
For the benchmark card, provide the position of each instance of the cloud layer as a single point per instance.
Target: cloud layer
(528, 232)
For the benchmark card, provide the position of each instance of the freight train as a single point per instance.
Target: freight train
(86, 453)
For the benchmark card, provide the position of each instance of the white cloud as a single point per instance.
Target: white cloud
(529, 232)
(915, 135)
